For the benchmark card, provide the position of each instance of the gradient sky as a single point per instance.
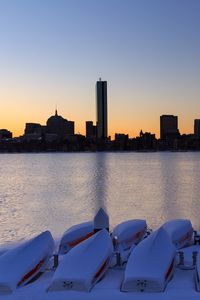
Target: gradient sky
(53, 51)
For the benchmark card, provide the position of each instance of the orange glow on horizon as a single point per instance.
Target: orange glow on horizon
(80, 128)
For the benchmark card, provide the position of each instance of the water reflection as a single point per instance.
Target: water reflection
(169, 185)
(55, 191)
(100, 181)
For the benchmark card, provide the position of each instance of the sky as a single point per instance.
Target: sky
(52, 52)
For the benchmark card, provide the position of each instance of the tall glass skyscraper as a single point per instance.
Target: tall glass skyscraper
(101, 96)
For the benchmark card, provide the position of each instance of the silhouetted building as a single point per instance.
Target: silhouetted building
(33, 128)
(101, 97)
(121, 137)
(60, 126)
(121, 141)
(5, 134)
(169, 127)
(146, 140)
(90, 130)
(197, 128)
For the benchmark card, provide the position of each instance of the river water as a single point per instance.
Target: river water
(56, 190)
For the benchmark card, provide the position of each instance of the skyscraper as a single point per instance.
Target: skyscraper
(197, 128)
(169, 127)
(90, 130)
(101, 98)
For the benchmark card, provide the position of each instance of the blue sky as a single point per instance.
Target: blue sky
(52, 53)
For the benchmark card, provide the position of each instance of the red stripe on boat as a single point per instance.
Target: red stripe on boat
(81, 239)
(137, 235)
(30, 273)
(101, 269)
(169, 270)
(185, 237)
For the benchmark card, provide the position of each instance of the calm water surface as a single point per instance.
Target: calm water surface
(54, 191)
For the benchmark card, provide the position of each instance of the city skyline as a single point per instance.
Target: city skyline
(168, 124)
(52, 52)
(99, 129)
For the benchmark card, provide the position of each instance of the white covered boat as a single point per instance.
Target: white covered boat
(197, 272)
(75, 235)
(2, 251)
(127, 233)
(84, 265)
(80, 232)
(125, 236)
(20, 264)
(101, 220)
(150, 265)
(180, 231)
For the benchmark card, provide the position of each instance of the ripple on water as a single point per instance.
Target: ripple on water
(56, 190)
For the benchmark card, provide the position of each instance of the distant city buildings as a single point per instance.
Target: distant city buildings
(33, 128)
(91, 130)
(60, 126)
(58, 134)
(5, 134)
(101, 100)
(57, 128)
(197, 128)
(169, 127)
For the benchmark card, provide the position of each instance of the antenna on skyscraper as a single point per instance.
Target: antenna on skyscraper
(99, 78)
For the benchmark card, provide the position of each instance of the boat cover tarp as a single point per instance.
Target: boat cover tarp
(101, 220)
(150, 265)
(197, 272)
(20, 264)
(75, 235)
(84, 265)
(180, 231)
(128, 233)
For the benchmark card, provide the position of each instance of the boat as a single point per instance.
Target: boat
(2, 251)
(80, 232)
(101, 220)
(197, 272)
(20, 264)
(150, 265)
(75, 235)
(84, 265)
(180, 232)
(125, 236)
(153, 264)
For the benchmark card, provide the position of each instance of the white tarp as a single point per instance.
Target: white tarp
(127, 233)
(197, 272)
(101, 220)
(150, 265)
(75, 235)
(84, 265)
(180, 232)
(20, 264)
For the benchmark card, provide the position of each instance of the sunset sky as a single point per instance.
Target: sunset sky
(53, 51)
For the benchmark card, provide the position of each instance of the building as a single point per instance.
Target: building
(60, 126)
(121, 137)
(197, 128)
(33, 128)
(169, 127)
(101, 98)
(5, 134)
(90, 130)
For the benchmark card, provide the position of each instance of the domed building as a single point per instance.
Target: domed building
(60, 126)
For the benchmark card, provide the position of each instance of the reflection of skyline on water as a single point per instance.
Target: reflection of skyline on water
(100, 181)
(55, 191)
(169, 188)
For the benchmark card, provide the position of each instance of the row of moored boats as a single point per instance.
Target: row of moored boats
(86, 252)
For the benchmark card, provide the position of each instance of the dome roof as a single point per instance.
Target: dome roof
(56, 118)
